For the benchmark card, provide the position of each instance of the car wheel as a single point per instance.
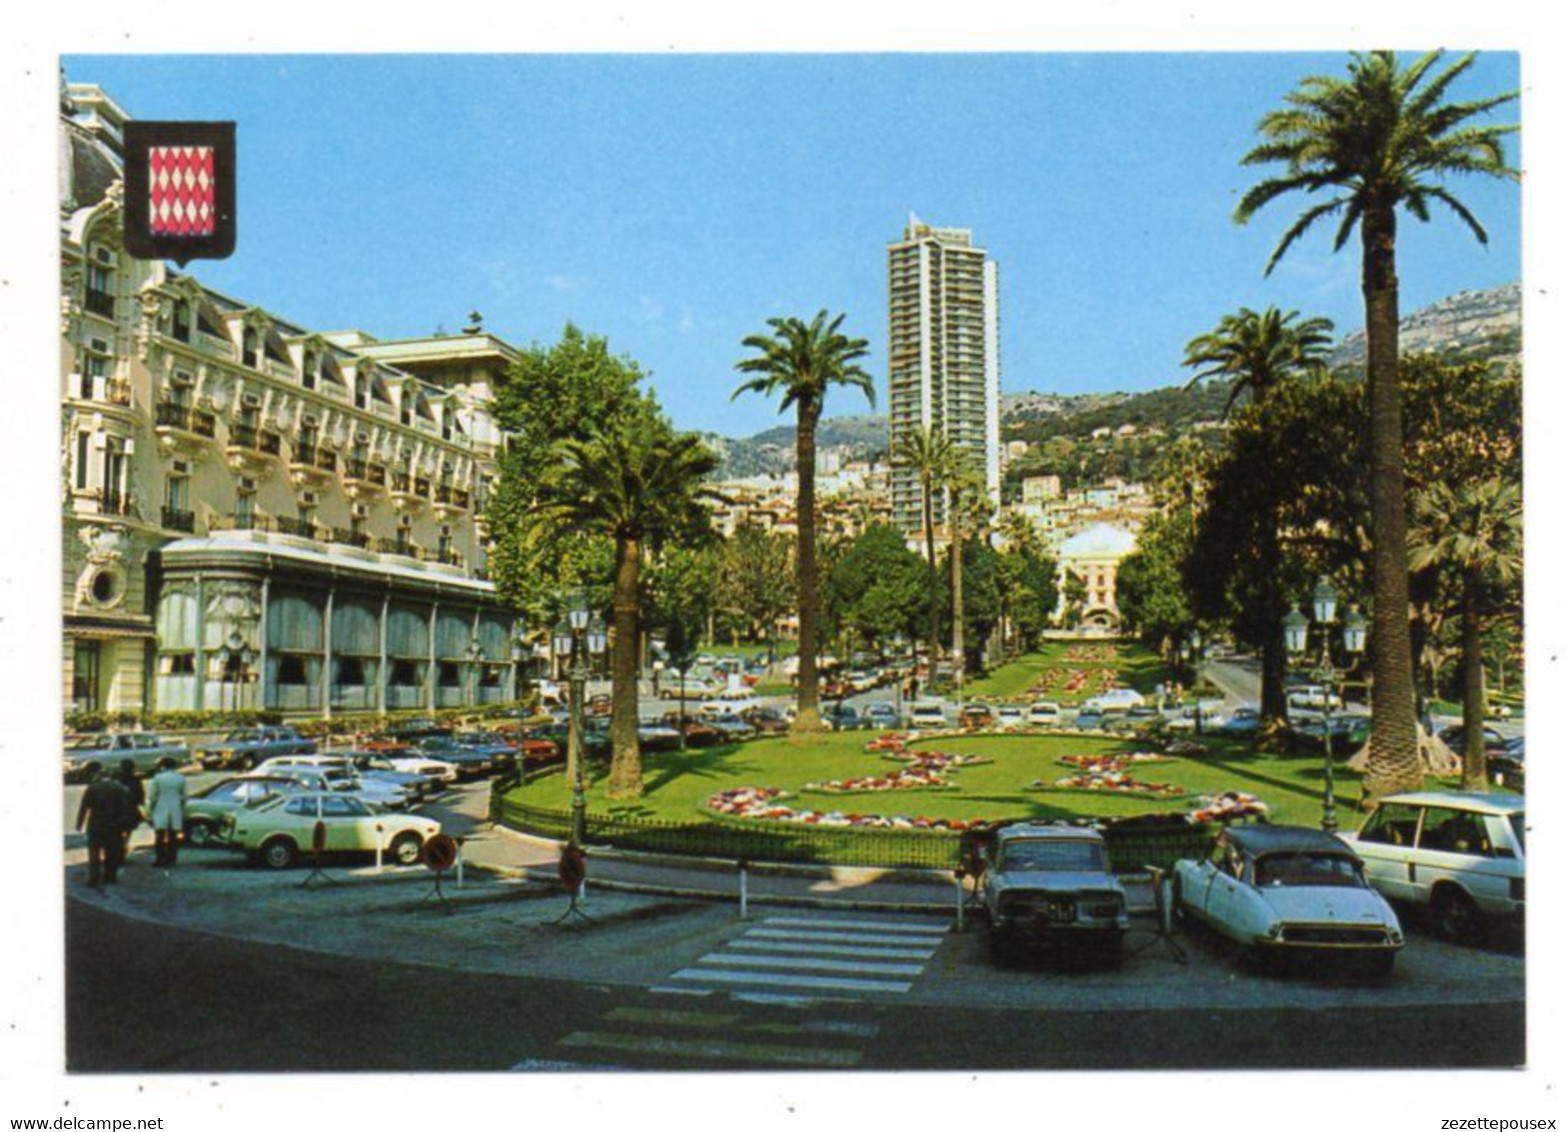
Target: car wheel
(279, 853)
(200, 834)
(1457, 917)
(406, 848)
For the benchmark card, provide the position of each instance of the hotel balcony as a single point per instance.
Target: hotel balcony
(449, 500)
(311, 463)
(176, 520)
(360, 477)
(183, 428)
(116, 503)
(408, 493)
(401, 547)
(251, 449)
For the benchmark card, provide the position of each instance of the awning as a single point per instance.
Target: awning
(94, 629)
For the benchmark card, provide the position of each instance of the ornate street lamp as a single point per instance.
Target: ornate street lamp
(1297, 629)
(582, 638)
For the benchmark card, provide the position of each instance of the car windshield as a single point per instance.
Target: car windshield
(1053, 855)
(1287, 870)
(89, 743)
(239, 736)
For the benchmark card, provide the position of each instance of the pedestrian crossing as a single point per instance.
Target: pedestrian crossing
(813, 954)
(794, 965)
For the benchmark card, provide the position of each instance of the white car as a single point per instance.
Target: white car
(927, 715)
(1278, 890)
(1313, 697)
(1461, 855)
(1009, 716)
(1116, 699)
(436, 769)
(1043, 713)
(279, 832)
(729, 703)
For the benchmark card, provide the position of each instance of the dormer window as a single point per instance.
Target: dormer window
(447, 419)
(361, 391)
(310, 373)
(179, 323)
(405, 407)
(248, 353)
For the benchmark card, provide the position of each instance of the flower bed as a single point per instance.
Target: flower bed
(924, 770)
(1100, 763)
(1111, 782)
(762, 802)
(1228, 806)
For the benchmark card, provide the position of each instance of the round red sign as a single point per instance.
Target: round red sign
(440, 853)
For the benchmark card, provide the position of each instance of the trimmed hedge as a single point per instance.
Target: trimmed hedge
(209, 720)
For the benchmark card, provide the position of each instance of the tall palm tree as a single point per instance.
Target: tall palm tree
(929, 452)
(1381, 140)
(802, 361)
(639, 482)
(1257, 352)
(1477, 530)
(968, 510)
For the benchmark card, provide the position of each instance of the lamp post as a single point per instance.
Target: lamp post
(1193, 656)
(1297, 629)
(579, 637)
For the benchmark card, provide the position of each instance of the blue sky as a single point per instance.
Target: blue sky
(673, 203)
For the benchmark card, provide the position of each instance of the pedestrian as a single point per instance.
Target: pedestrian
(166, 808)
(136, 798)
(102, 811)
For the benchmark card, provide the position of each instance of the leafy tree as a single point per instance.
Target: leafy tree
(929, 452)
(1256, 353)
(752, 569)
(547, 395)
(877, 586)
(1475, 528)
(1150, 584)
(636, 481)
(1380, 141)
(800, 362)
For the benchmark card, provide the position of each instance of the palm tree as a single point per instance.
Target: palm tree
(1257, 352)
(637, 481)
(1477, 530)
(929, 452)
(1380, 140)
(802, 361)
(968, 509)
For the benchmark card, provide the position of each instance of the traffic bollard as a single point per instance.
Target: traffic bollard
(379, 830)
(957, 883)
(744, 875)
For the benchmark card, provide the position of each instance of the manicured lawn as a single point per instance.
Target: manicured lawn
(678, 783)
(1124, 662)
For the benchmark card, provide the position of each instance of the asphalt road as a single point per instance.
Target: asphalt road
(237, 1006)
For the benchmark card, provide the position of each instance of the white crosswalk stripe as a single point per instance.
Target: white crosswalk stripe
(828, 955)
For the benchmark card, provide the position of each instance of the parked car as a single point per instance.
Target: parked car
(250, 747)
(436, 770)
(733, 726)
(698, 732)
(1043, 713)
(501, 750)
(652, 735)
(1278, 890)
(207, 809)
(1494, 741)
(1459, 855)
(336, 772)
(1010, 716)
(278, 832)
(730, 703)
(882, 715)
(1116, 699)
(1507, 768)
(1046, 884)
(767, 720)
(1090, 718)
(975, 716)
(85, 755)
(927, 715)
(469, 761)
(1312, 697)
(841, 717)
(1243, 721)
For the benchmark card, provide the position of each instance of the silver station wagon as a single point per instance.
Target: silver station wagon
(1460, 855)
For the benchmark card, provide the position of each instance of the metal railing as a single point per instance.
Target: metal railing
(350, 538)
(176, 520)
(398, 546)
(300, 528)
(113, 503)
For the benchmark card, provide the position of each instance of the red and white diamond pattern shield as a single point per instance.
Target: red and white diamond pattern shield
(182, 190)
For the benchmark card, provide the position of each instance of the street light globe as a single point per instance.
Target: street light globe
(1294, 627)
(578, 613)
(597, 637)
(562, 639)
(1324, 602)
(1354, 631)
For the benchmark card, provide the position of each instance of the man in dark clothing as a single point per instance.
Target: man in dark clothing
(103, 808)
(137, 798)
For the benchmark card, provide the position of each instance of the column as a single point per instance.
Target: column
(326, 653)
(429, 668)
(261, 647)
(383, 666)
(201, 641)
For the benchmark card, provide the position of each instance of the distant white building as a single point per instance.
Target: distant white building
(1094, 555)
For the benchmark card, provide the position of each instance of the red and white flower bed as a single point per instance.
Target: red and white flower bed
(1229, 806)
(1101, 763)
(924, 770)
(762, 802)
(1115, 782)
